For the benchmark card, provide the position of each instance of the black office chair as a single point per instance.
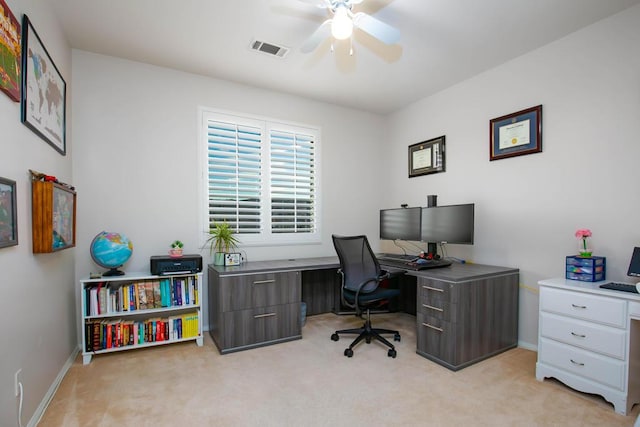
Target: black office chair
(361, 277)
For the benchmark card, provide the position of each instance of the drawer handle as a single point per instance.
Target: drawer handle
(433, 327)
(433, 289)
(259, 316)
(260, 282)
(578, 306)
(578, 335)
(432, 308)
(576, 363)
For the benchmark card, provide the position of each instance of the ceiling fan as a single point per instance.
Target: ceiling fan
(344, 21)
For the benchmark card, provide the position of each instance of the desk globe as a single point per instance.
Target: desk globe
(111, 250)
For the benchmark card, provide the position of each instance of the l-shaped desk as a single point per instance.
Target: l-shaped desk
(464, 313)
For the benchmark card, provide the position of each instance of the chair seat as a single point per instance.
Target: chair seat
(371, 297)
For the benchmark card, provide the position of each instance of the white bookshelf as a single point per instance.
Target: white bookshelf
(139, 310)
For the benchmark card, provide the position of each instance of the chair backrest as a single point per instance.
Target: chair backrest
(357, 262)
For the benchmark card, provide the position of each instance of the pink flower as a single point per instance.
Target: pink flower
(582, 233)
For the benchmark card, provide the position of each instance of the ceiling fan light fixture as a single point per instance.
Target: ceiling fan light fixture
(341, 25)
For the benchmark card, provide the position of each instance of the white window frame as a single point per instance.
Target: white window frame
(266, 237)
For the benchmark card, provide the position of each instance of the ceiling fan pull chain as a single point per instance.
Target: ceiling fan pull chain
(351, 45)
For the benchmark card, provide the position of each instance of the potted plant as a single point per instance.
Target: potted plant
(221, 241)
(176, 249)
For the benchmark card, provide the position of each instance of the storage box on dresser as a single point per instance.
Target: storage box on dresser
(589, 340)
(253, 309)
(175, 317)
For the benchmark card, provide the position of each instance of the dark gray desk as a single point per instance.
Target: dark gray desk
(464, 313)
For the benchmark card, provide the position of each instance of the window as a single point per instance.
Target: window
(261, 177)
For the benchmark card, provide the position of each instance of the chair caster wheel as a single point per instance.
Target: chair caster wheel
(348, 352)
(368, 340)
(335, 337)
(392, 353)
(396, 337)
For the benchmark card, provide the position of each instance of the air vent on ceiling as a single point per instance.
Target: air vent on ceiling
(269, 49)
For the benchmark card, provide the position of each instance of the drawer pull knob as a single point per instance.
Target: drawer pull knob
(259, 316)
(578, 306)
(576, 363)
(578, 335)
(432, 327)
(260, 282)
(432, 308)
(433, 289)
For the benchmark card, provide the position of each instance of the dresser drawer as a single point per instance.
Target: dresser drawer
(259, 290)
(605, 310)
(591, 336)
(253, 326)
(602, 369)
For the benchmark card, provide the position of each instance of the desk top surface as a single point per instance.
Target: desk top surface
(454, 273)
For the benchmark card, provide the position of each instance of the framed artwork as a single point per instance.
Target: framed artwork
(10, 51)
(43, 91)
(53, 216)
(427, 157)
(8, 213)
(516, 134)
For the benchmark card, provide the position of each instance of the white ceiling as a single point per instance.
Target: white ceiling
(443, 41)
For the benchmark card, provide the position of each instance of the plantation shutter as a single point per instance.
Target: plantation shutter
(235, 175)
(292, 164)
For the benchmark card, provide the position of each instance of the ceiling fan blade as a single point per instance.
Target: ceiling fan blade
(317, 37)
(376, 28)
(322, 4)
(354, 1)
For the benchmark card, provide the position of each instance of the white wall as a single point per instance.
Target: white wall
(136, 158)
(528, 207)
(37, 307)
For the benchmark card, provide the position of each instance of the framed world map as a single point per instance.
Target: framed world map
(43, 91)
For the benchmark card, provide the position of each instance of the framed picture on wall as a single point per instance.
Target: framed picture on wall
(53, 216)
(8, 213)
(10, 51)
(427, 157)
(43, 91)
(516, 134)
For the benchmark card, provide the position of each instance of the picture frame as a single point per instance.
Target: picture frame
(8, 213)
(53, 216)
(10, 53)
(516, 134)
(427, 157)
(46, 118)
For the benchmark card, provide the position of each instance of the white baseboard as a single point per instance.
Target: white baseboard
(528, 346)
(35, 419)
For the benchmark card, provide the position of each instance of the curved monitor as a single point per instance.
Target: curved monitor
(448, 224)
(400, 224)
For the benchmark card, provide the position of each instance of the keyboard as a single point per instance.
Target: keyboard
(411, 265)
(625, 287)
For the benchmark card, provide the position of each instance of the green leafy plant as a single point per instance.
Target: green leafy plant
(222, 238)
(177, 244)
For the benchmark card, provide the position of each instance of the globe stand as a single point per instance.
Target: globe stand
(113, 272)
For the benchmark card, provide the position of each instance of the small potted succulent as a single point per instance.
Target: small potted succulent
(221, 241)
(176, 249)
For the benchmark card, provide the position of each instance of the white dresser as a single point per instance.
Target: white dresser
(589, 338)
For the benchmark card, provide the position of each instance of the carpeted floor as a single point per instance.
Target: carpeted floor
(309, 382)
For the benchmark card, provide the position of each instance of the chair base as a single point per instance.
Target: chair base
(368, 333)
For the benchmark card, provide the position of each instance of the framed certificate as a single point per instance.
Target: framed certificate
(427, 157)
(516, 134)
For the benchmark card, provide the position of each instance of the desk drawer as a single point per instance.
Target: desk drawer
(259, 290)
(605, 370)
(436, 337)
(590, 336)
(595, 308)
(246, 327)
(435, 290)
(439, 309)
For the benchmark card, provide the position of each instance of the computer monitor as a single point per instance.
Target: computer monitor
(634, 264)
(450, 224)
(400, 224)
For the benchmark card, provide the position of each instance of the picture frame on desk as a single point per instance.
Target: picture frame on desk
(45, 117)
(427, 157)
(516, 134)
(8, 213)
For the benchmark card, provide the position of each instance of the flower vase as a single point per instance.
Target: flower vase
(584, 247)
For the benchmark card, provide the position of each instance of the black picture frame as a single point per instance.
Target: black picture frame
(8, 213)
(40, 76)
(516, 134)
(427, 157)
